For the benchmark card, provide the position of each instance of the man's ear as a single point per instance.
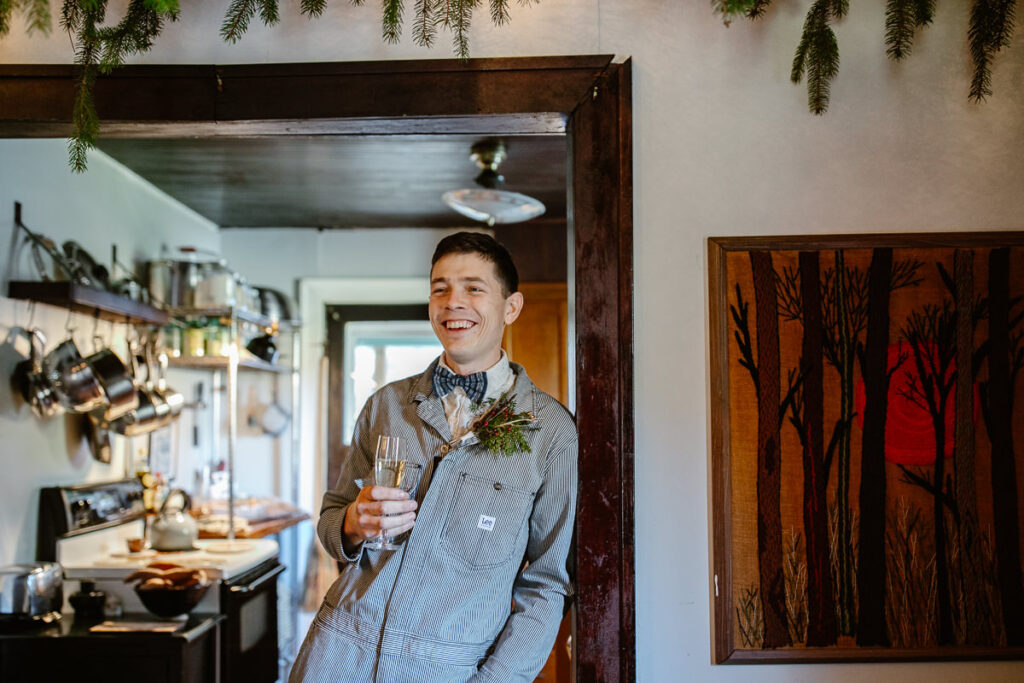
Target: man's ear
(513, 307)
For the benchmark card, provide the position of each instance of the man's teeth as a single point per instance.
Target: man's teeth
(458, 324)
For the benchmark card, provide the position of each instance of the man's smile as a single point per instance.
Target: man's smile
(458, 324)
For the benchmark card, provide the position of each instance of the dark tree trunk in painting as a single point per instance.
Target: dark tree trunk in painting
(964, 449)
(1000, 428)
(821, 619)
(871, 629)
(931, 334)
(844, 543)
(769, 470)
(941, 560)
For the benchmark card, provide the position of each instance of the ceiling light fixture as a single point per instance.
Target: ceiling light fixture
(491, 204)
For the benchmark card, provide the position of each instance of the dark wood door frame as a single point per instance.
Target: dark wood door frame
(338, 315)
(591, 94)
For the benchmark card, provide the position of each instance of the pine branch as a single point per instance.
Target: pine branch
(924, 12)
(6, 15)
(269, 12)
(313, 8)
(461, 14)
(499, 12)
(730, 9)
(817, 55)
(391, 22)
(38, 15)
(900, 22)
(425, 25)
(758, 9)
(236, 21)
(990, 29)
(86, 122)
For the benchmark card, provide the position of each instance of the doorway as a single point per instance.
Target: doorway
(589, 95)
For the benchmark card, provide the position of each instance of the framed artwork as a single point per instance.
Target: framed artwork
(867, 419)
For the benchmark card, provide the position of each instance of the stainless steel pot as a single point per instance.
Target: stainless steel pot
(117, 382)
(35, 387)
(31, 591)
(73, 378)
(173, 281)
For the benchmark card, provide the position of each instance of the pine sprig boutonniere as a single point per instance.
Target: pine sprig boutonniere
(498, 428)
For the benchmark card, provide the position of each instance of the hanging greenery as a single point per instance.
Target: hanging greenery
(817, 55)
(100, 49)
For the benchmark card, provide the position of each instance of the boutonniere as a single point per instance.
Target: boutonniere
(497, 427)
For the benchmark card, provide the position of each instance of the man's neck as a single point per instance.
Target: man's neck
(469, 369)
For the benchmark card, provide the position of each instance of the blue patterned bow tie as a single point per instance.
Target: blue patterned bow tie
(474, 385)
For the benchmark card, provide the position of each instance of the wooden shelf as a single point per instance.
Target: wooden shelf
(80, 299)
(240, 314)
(221, 363)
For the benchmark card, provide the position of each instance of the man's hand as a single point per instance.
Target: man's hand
(364, 520)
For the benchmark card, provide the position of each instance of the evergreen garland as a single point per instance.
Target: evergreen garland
(101, 49)
(817, 55)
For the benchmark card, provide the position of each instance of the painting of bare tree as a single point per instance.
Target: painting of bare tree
(867, 447)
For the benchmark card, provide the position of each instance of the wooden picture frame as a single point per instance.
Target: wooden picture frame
(825, 542)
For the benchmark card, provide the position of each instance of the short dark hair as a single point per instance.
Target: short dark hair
(488, 249)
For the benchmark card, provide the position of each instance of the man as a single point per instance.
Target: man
(479, 585)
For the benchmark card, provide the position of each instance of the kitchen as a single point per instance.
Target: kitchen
(103, 207)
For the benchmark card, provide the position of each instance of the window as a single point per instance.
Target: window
(379, 352)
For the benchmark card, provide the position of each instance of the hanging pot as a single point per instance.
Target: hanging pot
(73, 378)
(32, 382)
(117, 382)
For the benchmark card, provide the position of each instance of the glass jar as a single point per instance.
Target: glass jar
(218, 337)
(170, 340)
(194, 342)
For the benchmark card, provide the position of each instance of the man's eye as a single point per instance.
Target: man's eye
(476, 289)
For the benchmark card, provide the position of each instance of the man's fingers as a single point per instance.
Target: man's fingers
(385, 493)
(398, 523)
(387, 507)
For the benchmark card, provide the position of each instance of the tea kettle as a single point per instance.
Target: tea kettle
(174, 528)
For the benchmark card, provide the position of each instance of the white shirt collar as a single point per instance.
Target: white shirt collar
(500, 376)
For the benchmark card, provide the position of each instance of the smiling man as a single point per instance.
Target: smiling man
(479, 583)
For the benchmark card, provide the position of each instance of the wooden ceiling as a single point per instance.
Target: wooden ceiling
(337, 181)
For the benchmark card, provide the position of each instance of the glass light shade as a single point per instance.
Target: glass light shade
(493, 206)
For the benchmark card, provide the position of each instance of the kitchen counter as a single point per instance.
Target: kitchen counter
(69, 650)
(260, 528)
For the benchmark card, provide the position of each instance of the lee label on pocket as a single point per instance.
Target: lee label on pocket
(486, 523)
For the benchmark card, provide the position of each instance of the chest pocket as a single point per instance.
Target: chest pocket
(485, 521)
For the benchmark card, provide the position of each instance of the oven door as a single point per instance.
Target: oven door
(249, 602)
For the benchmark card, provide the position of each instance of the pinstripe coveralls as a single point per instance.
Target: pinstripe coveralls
(440, 608)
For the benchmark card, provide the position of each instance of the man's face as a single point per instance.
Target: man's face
(469, 311)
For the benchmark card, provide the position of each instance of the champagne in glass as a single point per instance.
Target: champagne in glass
(385, 470)
(407, 478)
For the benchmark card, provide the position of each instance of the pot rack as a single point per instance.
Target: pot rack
(76, 295)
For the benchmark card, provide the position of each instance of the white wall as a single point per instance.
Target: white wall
(278, 258)
(107, 205)
(723, 145)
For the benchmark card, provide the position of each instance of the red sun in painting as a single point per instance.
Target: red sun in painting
(909, 431)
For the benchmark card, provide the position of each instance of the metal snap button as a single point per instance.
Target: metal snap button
(497, 486)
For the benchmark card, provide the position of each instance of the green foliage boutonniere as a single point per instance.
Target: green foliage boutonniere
(498, 428)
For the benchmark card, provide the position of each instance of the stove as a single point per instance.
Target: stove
(86, 529)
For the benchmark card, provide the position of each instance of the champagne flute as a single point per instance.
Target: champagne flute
(407, 479)
(385, 473)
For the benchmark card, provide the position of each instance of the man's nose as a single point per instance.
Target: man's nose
(454, 300)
